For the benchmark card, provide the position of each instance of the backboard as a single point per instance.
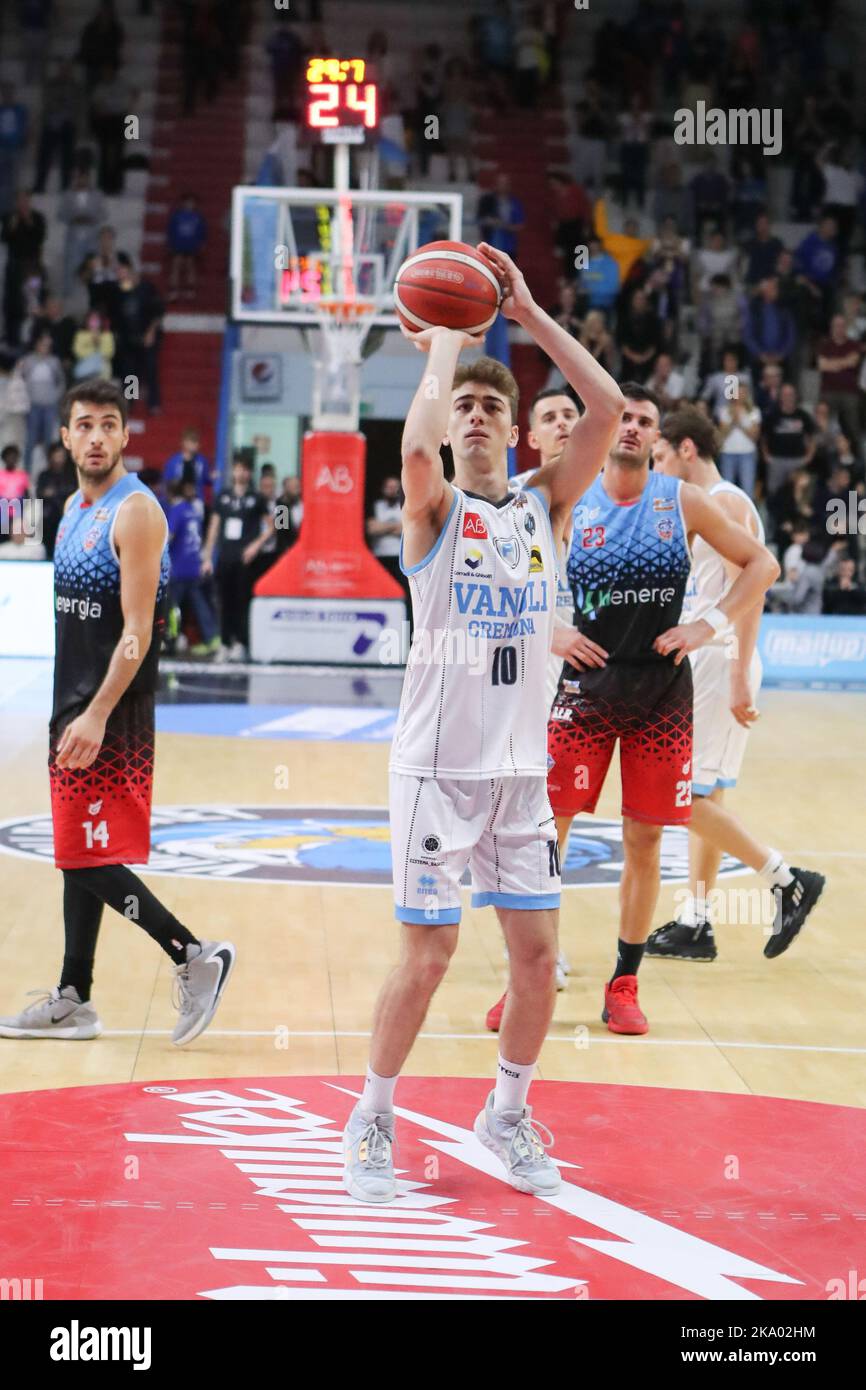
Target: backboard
(300, 255)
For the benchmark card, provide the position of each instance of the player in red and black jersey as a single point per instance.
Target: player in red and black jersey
(629, 681)
(110, 579)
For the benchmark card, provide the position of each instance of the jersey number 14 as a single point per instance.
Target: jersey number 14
(95, 834)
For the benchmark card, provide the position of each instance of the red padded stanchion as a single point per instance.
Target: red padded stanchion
(330, 558)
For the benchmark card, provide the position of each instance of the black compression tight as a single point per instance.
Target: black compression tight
(85, 892)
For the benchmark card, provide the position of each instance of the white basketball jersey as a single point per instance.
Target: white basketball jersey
(564, 596)
(709, 581)
(474, 700)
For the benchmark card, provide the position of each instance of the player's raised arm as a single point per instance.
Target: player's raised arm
(423, 478)
(758, 570)
(587, 446)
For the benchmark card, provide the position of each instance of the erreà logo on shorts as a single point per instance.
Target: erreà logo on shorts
(77, 1343)
(78, 607)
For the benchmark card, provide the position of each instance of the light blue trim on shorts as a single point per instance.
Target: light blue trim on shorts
(439, 917)
(701, 789)
(413, 569)
(522, 902)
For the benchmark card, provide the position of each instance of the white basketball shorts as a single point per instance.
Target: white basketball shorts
(719, 741)
(501, 829)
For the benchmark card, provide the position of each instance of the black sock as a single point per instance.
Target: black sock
(628, 958)
(118, 886)
(82, 913)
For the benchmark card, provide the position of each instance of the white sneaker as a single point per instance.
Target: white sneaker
(237, 652)
(199, 987)
(368, 1141)
(57, 1013)
(520, 1142)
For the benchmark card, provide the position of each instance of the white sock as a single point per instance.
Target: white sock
(378, 1096)
(694, 911)
(512, 1085)
(776, 871)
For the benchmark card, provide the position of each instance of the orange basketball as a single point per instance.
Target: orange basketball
(447, 284)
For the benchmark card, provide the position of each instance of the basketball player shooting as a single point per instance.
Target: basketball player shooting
(630, 680)
(469, 758)
(726, 674)
(110, 579)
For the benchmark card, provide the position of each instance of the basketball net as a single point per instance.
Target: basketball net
(343, 326)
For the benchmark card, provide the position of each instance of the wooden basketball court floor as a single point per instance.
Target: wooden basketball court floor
(311, 957)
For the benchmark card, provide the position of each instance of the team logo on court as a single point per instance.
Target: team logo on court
(509, 550)
(337, 846)
(455, 1227)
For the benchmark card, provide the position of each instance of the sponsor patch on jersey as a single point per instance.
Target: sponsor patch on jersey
(473, 526)
(665, 530)
(101, 514)
(536, 563)
(472, 559)
(426, 885)
(583, 515)
(92, 537)
(431, 844)
(529, 524)
(509, 550)
(663, 504)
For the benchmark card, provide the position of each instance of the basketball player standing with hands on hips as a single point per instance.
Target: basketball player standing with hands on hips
(469, 758)
(110, 579)
(630, 680)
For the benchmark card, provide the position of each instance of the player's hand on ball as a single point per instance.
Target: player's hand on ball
(679, 641)
(516, 299)
(741, 700)
(424, 338)
(579, 650)
(81, 741)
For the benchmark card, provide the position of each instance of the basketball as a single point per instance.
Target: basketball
(447, 284)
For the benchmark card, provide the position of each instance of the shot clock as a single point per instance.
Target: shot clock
(342, 107)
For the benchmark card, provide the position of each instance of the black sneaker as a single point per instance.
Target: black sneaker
(793, 905)
(673, 941)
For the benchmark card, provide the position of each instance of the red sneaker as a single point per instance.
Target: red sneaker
(622, 1013)
(494, 1015)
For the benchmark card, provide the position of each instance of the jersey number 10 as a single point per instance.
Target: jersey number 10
(504, 669)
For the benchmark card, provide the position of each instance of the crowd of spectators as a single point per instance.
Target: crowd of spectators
(93, 313)
(730, 278)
